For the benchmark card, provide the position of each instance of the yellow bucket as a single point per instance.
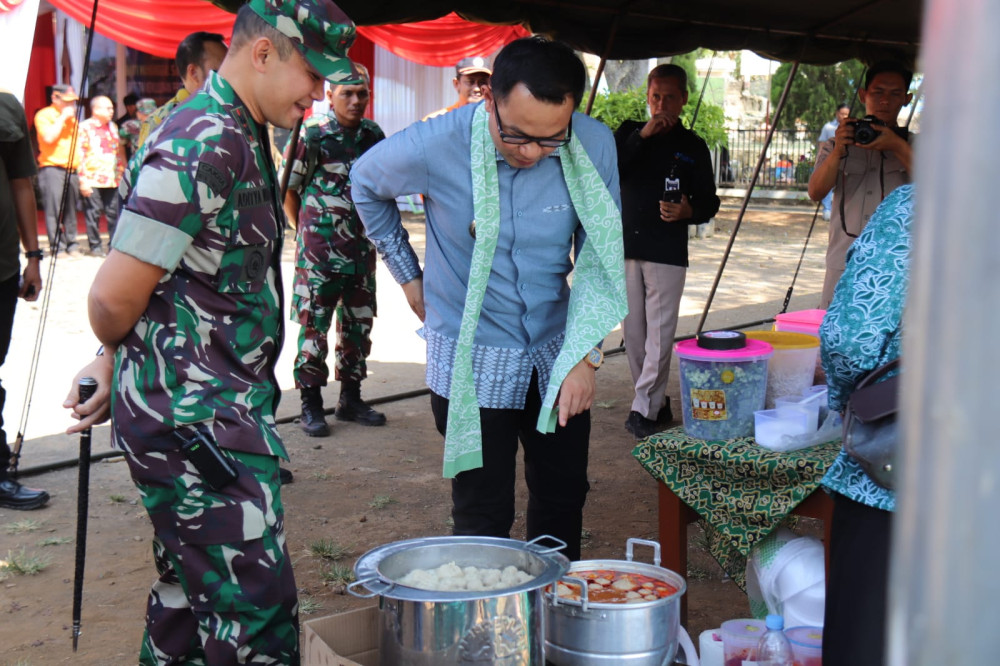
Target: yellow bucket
(791, 370)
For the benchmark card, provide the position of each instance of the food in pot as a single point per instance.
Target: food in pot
(452, 578)
(615, 587)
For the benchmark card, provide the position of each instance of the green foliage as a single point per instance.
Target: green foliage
(614, 108)
(816, 92)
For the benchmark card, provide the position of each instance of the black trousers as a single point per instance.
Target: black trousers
(8, 302)
(555, 470)
(856, 585)
(101, 200)
(50, 182)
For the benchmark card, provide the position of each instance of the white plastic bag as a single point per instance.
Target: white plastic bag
(786, 575)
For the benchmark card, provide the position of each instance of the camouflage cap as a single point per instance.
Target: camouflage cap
(145, 105)
(320, 30)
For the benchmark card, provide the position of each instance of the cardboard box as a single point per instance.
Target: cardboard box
(343, 639)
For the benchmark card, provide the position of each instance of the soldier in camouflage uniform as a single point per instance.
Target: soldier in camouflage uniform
(334, 260)
(189, 304)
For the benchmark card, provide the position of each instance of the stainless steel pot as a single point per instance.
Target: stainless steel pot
(582, 633)
(428, 628)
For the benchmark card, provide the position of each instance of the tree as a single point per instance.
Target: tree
(816, 92)
(614, 108)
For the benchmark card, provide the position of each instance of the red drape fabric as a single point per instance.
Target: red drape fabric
(444, 41)
(156, 27)
(7, 5)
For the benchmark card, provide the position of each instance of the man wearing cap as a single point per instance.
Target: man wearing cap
(471, 76)
(334, 260)
(188, 305)
(129, 130)
(55, 126)
(520, 191)
(198, 54)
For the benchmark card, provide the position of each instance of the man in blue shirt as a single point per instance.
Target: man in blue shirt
(535, 86)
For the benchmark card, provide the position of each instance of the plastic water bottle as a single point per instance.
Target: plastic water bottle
(774, 648)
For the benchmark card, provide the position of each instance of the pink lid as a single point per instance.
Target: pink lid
(810, 317)
(754, 351)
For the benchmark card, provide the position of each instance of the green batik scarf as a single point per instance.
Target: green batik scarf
(597, 301)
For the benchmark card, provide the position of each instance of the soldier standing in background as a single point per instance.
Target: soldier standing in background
(334, 260)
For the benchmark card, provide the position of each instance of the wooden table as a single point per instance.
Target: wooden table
(675, 516)
(741, 490)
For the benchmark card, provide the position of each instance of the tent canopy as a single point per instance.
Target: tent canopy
(820, 32)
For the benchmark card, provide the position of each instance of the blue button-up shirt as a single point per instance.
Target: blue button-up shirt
(524, 310)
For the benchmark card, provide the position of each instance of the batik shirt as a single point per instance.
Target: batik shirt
(862, 327)
(200, 201)
(330, 234)
(100, 163)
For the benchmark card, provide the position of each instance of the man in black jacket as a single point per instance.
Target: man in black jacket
(656, 235)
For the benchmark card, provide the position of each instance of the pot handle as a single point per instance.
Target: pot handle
(584, 602)
(690, 654)
(354, 587)
(544, 550)
(643, 542)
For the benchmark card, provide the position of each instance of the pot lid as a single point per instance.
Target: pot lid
(374, 570)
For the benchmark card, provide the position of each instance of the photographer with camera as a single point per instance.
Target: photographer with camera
(865, 160)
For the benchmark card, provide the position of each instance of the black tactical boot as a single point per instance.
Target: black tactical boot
(312, 421)
(15, 496)
(352, 408)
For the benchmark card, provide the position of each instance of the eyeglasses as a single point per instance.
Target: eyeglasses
(521, 139)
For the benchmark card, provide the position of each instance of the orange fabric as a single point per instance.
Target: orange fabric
(56, 153)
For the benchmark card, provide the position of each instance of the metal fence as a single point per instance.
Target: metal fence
(788, 164)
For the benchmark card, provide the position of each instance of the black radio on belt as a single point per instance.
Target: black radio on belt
(201, 451)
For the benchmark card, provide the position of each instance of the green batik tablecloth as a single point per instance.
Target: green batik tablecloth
(741, 491)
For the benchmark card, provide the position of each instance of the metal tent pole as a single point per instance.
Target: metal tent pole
(746, 198)
(943, 586)
(604, 59)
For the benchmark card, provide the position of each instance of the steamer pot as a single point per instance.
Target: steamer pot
(429, 628)
(583, 633)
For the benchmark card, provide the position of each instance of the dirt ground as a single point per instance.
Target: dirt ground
(361, 487)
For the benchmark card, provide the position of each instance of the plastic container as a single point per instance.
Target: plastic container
(791, 369)
(807, 645)
(721, 389)
(800, 321)
(771, 424)
(739, 640)
(710, 651)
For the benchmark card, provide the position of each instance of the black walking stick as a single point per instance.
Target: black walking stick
(88, 385)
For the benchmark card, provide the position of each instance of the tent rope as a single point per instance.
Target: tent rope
(15, 454)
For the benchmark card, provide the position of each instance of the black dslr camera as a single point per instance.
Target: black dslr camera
(864, 133)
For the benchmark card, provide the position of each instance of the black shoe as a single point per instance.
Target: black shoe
(286, 476)
(313, 422)
(352, 408)
(665, 416)
(15, 496)
(640, 426)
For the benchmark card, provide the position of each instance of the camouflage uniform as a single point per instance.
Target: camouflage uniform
(201, 202)
(335, 261)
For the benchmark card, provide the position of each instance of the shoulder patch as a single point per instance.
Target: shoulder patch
(212, 176)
